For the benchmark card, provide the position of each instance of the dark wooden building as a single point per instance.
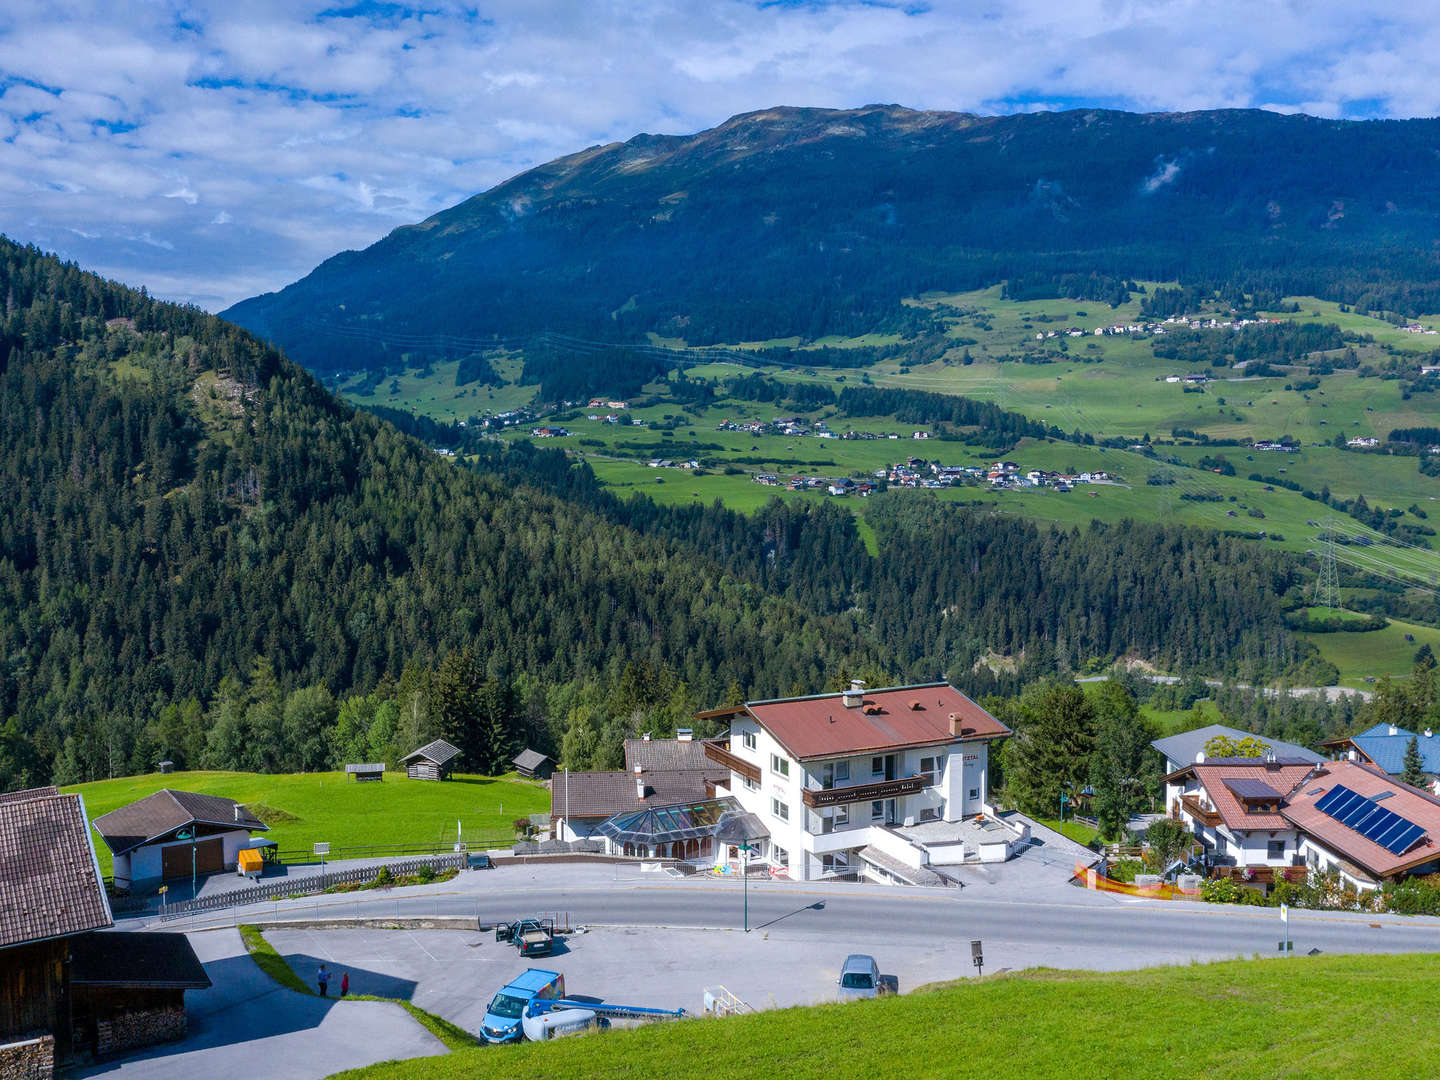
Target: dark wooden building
(533, 765)
(50, 893)
(128, 989)
(433, 761)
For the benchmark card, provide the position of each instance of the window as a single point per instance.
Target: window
(842, 772)
(930, 770)
(750, 785)
(780, 809)
(877, 810)
(779, 856)
(841, 815)
(837, 863)
(1275, 849)
(974, 793)
(779, 765)
(929, 814)
(748, 740)
(834, 772)
(877, 766)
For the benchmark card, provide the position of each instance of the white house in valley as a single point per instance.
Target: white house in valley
(885, 784)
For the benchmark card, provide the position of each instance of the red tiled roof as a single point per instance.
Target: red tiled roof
(1413, 805)
(49, 882)
(1282, 776)
(905, 716)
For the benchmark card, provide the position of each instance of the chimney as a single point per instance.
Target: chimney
(1394, 730)
(640, 782)
(1428, 735)
(1351, 755)
(955, 724)
(1199, 757)
(684, 734)
(645, 737)
(855, 696)
(237, 811)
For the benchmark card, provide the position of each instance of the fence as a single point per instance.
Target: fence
(288, 887)
(375, 851)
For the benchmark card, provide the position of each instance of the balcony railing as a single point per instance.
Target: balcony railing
(815, 798)
(718, 752)
(1199, 813)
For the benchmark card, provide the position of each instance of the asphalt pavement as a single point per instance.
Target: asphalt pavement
(1021, 927)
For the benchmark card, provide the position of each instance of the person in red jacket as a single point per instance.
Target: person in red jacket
(345, 984)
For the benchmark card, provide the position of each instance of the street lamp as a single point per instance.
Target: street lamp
(189, 834)
(746, 847)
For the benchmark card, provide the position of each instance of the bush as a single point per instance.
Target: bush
(384, 877)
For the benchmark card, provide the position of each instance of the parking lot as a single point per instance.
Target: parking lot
(454, 973)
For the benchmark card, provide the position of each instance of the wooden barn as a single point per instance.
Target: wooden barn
(50, 893)
(174, 835)
(533, 765)
(433, 761)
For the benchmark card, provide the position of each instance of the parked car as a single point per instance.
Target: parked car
(504, 1014)
(533, 937)
(859, 978)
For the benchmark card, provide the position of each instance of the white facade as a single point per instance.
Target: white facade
(143, 865)
(808, 843)
(1247, 847)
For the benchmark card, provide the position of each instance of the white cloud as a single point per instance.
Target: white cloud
(211, 155)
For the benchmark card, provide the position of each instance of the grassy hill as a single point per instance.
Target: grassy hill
(1301, 1017)
(308, 807)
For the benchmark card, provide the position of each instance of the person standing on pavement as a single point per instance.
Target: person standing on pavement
(345, 984)
(323, 978)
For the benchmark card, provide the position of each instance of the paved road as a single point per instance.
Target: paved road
(1099, 931)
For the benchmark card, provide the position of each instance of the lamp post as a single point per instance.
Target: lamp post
(189, 834)
(746, 847)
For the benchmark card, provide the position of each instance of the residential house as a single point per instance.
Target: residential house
(1362, 442)
(1359, 823)
(1232, 805)
(885, 783)
(1188, 746)
(172, 835)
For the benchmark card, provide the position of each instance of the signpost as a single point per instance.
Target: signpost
(977, 955)
(322, 849)
(1285, 922)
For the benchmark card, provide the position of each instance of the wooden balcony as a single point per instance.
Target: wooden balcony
(815, 798)
(1199, 813)
(718, 752)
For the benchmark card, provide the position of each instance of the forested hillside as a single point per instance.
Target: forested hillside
(206, 557)
(810, 222)
(181, 502)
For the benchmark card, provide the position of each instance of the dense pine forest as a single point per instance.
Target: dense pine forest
(207, 558)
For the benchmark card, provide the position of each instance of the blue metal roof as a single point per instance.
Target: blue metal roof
(1388, 751)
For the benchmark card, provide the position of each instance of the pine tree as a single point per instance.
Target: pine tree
(1414, 770)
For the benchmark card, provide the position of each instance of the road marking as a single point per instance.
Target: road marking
(422, 948)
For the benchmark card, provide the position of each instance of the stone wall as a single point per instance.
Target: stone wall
(28, 1059)
(140, 1027)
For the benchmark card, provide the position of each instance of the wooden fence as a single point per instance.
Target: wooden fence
(285, 888)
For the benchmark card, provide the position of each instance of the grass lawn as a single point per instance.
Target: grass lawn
(1357, 1016)
(1074, 830)
(308, 807)
(1376, 652)
(1174, 721)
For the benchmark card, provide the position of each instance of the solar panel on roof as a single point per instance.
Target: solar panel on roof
(1372, 821)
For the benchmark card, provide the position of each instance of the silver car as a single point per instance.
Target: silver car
(859, 978)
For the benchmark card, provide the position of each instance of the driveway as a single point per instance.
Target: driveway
(245, 1026)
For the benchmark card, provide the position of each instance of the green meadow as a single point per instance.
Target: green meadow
(304, 808)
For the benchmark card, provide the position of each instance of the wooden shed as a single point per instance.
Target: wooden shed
(433, 761)
(50, 894)
(374, 770)
(533, 765)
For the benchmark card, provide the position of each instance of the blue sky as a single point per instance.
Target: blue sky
(210, 151)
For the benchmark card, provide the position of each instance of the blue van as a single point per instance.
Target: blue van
(503, 1017)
